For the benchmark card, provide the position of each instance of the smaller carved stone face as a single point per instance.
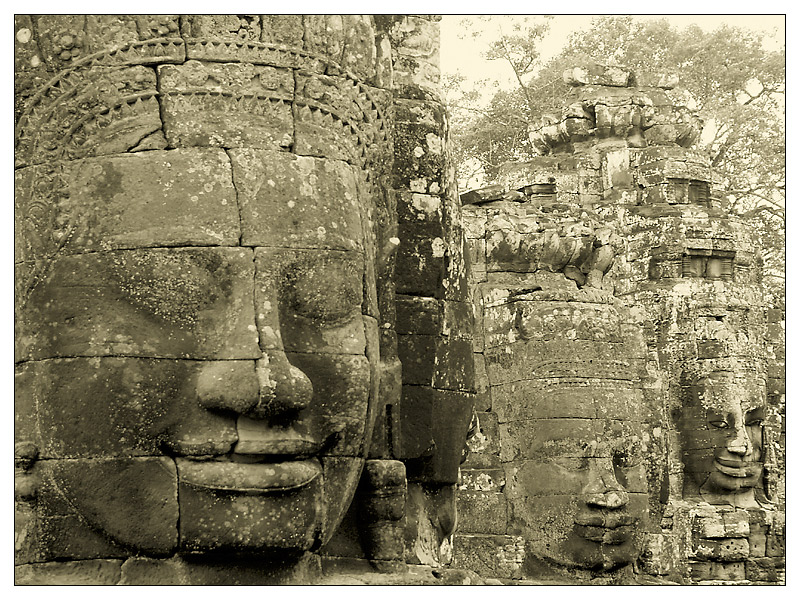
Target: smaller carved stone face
(573, 431)
(598, 491)
(581, 492)
(721, 431)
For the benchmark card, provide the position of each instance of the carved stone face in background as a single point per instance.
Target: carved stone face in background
(722, 434)
(586, 479)
(572, 430)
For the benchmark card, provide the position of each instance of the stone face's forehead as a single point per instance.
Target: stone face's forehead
(579, 438)
(298, 201)
(727, 392)
(191, 197)
(139, 200)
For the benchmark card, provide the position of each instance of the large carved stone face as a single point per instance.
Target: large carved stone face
(197, 332)
(209, 397)
(722, 434)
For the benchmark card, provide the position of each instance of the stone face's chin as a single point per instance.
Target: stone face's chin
(614, 548)
(619, 555)
(244, 508)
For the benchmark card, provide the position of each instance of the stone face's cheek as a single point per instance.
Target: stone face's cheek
(341, 399)
(756, 435)
(699, 462)
(93, 407)
(633, 479)
(550, 522)
(132, 500)
(637, 506)
(341, 475)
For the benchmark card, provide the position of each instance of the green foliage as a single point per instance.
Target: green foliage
(738, 86)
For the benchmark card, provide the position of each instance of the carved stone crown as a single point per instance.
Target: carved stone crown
(612, 102)
(87, 105)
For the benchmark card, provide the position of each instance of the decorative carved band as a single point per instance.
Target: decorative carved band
(149, 52)
(56, 113)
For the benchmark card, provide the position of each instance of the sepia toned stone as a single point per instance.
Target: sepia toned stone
(134, 201)
(150, 524)
(482, 512)
(259, 331)
(183, 303)
(88, 572)
(199, 100)
(269, 190)
(206, 518)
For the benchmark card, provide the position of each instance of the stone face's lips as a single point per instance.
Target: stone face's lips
(294, 447)
(605, 527)
(605, 520)
(736, 468)
(259, 437)
(605, 535)
(256, 478)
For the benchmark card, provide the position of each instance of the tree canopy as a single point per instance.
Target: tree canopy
(738, 85)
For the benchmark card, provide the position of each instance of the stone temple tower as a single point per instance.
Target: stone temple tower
(620, 211)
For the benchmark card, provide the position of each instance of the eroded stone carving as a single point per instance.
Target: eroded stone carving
(721, 428)
(572, 431)
(199, 341)
(618, 187)
(207, 208)
(208, 349)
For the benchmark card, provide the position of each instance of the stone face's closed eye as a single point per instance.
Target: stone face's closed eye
(328, 293)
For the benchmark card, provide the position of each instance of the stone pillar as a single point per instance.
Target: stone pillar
(434, 317)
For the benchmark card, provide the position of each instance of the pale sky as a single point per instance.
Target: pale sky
(464, 55)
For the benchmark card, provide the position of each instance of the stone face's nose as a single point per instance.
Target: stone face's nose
(269, 388)
(284, 389)
(230, 385)
(603, 490)
(739, 443)
(608, 499)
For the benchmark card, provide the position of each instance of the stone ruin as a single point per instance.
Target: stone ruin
(630, 376)
(259, 340)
